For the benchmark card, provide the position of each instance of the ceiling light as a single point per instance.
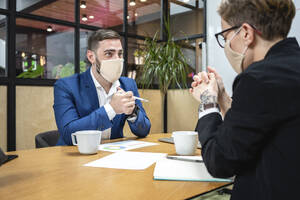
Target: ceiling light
(135, 14)
(49, 29)
(132, 3)
(91, 17)
(143, 0)
(84, 18)
(185, 1)
(82, 4)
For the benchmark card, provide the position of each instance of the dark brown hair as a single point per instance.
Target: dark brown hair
(273, 18)
(100, 35)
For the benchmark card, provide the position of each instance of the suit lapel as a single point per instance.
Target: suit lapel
(122, 85)
(90, 89)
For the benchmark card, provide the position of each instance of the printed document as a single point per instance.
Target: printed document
(124, 145)
(127, 160)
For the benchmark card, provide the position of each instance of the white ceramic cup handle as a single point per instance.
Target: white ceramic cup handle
(73, 139)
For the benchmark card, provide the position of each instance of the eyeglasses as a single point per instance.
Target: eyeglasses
(221, 39)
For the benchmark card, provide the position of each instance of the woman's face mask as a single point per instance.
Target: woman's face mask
(110, 70)
(235, 59)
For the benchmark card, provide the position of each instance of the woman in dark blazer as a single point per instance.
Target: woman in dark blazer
(257, 138)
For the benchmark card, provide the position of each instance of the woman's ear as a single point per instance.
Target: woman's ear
(248, 34)
(90, 56)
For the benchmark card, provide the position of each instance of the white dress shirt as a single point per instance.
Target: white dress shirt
(104, 100)
(208, 111)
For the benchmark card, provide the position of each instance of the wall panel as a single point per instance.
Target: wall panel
(153, 109)
(182, 111)
(3, 117)
(34, 114)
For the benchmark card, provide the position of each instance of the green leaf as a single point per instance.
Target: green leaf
(165, 62)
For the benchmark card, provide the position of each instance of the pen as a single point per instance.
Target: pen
(184, 159)
(138, 98)
(141, 99)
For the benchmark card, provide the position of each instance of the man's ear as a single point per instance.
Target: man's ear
(90, 56)
(248, 34)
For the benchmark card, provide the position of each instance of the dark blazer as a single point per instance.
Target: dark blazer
(259, 139)
(76, 107)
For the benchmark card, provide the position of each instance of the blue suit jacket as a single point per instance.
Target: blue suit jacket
(76, 108)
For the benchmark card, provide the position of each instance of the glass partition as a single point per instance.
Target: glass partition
(186, 18)
(58, 9)
(102, 13)
(3, 4)
(193, 54)
(43, 50)
(136, 58)
(84, 35)
(144, 17)
(3, 46)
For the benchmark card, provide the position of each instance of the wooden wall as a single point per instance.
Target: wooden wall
(182, 111)
(154, 110)
(34, 114)
(3, 117)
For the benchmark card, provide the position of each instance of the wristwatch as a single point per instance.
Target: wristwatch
(203, 107)
(134, 113)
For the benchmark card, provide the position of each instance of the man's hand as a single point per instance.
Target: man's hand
(123, 102)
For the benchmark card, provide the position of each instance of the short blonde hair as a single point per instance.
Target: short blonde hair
(273, 18)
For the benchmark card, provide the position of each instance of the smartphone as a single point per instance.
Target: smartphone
(5, 158)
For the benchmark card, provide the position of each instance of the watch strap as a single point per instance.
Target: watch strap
(203, 107)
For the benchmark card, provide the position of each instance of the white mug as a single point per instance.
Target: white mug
(87, 141)
(185, 142)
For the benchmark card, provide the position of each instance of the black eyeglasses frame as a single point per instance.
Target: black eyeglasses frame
(224, 31)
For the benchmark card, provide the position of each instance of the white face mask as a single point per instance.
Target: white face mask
(110, 70)
(235, 59)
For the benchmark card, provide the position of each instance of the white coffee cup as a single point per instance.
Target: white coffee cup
(87, 141)
(185, 142)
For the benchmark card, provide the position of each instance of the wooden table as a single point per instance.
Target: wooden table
(58, 173)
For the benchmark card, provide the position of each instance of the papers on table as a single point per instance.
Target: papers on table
(170, 169)
(124, 145)
(127, 160)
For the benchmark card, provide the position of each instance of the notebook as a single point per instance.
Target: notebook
(176, 170)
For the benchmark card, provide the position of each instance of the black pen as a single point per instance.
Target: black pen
(183, 159)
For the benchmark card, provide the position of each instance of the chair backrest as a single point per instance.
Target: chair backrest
(46, 139)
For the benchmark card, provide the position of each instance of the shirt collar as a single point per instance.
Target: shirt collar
(98, 86)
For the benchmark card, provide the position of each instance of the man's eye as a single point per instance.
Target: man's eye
(108, 54)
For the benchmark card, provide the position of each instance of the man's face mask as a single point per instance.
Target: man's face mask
(235, 59)
(110, 70)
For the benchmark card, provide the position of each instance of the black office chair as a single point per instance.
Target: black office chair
(46, 139)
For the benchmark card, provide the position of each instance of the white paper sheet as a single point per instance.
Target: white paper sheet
(124, 145)
(127, 160)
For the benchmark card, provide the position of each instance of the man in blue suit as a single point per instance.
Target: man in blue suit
(99, 99)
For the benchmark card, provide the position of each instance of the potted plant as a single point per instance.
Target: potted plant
(139, 56)
(164, 63)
